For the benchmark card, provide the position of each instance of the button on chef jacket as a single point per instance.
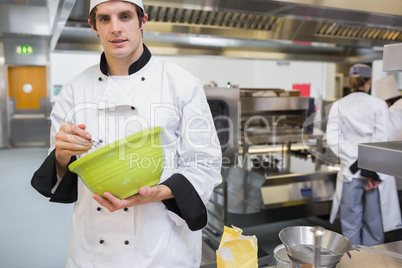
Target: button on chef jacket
(158, 234)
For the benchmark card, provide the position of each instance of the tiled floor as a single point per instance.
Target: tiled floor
(35, 233)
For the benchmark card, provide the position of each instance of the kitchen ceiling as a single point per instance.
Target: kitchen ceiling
(342, 31)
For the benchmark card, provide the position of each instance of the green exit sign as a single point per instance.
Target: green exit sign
(25, 50)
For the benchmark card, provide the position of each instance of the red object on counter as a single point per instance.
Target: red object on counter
(303, 88)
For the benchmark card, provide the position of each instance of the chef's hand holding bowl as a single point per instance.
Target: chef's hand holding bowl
(126, 172)
(145, 195)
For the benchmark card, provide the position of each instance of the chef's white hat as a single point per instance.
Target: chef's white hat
(386, 88)
(94, 3)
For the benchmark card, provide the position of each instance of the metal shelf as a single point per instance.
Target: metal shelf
(382, 157)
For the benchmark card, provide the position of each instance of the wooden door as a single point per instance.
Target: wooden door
(27, 84)
(28, 106)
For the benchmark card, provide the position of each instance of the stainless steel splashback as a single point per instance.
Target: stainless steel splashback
(273, 116)
(224, 104)
(256, 105)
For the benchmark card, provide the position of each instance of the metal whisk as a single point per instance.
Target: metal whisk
(96, 144)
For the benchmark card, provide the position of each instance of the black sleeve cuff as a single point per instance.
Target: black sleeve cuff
(186, 202)
(364, 172)
(45, 178)
(369, 174)
(354, 168)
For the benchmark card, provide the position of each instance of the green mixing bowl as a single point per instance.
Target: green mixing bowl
(123, 166)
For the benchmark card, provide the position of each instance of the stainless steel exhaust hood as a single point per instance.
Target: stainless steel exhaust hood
(341, 31)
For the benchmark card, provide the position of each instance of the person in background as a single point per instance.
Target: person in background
(366, 201)
(127, 92)
(387, 89)
(213, 84)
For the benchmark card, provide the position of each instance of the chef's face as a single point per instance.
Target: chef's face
(119, 31)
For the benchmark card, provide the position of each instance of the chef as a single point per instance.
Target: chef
(387, 90)
(366, 201)
(127, 92)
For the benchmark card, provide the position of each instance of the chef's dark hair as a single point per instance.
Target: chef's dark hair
(140, 14)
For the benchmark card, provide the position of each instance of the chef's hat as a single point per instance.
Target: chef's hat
(94, 3)
(360, 70)
(386, 88)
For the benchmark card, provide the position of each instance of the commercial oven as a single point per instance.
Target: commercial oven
(273, 168)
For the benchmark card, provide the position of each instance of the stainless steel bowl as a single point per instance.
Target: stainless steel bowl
(299, 243)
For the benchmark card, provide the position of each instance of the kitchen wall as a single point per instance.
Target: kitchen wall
(66, 65)
(245, 73)
(242, 72)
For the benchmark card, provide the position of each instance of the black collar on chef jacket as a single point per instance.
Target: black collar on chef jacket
(361, 91)
(135, 67)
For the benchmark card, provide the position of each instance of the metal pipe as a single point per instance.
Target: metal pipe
(318, 233)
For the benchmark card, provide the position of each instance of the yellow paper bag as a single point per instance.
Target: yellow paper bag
(237, 250)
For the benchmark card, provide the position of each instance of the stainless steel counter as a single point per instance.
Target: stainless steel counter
(373, 257)
(382, 157)
(377, 256)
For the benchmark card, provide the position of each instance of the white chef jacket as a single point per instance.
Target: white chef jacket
(160, 94)
(395, 121)
(361, 118)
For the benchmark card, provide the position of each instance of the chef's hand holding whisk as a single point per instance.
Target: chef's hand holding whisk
(71, 140)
